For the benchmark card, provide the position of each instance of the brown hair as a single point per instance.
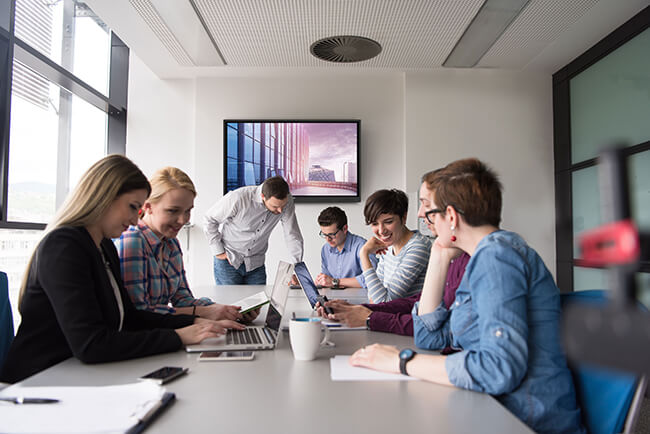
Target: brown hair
(469, 186)
(331, 215)
(275, 186)
(391, 201)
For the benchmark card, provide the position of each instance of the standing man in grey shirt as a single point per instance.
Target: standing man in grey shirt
(238, 227)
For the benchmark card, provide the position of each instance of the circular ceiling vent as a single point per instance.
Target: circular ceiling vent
(345, 49)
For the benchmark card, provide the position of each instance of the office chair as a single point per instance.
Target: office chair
(6, 318)
(610, 401)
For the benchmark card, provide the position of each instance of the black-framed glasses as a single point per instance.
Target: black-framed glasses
(330, 236)
(429, 215)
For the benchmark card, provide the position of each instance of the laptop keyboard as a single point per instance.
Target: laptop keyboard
(246, 336)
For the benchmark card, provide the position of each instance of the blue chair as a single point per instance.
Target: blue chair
(6, 318)
(610, 401)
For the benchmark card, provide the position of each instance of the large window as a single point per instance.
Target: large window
(63, 79)
(600, 100)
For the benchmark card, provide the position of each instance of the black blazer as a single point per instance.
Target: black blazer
(69, 309)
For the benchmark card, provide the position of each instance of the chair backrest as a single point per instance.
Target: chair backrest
(606, 397)
(6, 318)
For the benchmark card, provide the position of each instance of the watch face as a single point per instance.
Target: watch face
(406, 354)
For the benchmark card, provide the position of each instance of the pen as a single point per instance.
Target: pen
(21, 400)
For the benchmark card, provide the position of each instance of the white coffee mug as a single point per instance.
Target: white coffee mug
(305, 337)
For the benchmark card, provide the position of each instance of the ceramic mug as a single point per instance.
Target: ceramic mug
(305, 337)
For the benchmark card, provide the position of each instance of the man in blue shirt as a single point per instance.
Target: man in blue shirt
(340, 263)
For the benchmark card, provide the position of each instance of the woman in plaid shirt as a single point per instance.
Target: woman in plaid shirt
(150, 254)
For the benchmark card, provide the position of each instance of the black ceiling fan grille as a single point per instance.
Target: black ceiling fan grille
(345, 49)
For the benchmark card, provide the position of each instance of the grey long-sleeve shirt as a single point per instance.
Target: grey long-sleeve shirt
(240, 225)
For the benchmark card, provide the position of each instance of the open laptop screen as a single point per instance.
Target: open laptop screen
(306, 282)
(273, 318)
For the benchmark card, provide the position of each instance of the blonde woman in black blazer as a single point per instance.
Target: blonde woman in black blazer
(73, 302)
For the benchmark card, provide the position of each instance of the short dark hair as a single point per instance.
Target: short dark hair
(391, 201)
(275, 186)
(331, 215)
(471, 187)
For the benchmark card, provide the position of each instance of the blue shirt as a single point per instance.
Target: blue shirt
(345, 263)
(506, 322)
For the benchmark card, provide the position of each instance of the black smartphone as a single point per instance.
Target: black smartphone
(165, 374)
(322, 299)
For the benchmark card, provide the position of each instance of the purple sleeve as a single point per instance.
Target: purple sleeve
(399, 305)
(393, 316)
(398, 323)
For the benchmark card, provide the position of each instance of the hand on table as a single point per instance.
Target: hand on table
(352, 315)
(324, 280)
(378, 357)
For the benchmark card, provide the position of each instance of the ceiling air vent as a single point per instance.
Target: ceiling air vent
(345, 49)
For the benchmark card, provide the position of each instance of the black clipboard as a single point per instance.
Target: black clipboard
(166, 401)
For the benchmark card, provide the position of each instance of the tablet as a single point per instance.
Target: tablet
(252, 302)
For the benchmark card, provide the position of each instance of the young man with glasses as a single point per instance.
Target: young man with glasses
(238, 228)
(340, 263)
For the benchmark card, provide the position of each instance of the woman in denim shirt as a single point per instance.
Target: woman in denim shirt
(505, 319)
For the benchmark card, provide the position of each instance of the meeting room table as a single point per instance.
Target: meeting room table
(273, 393)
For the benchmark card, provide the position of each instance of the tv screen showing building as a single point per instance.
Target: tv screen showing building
(318, 159)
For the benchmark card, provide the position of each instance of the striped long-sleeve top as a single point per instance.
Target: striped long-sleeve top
(399, 275)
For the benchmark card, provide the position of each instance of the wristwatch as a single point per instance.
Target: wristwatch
(405, 356)
(368, 321)
(335, 282)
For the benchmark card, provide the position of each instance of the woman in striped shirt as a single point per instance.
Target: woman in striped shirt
(403, 254)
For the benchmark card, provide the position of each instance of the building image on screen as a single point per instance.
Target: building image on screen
(316, 158)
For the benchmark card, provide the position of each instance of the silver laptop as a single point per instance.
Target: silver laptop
(255, 337)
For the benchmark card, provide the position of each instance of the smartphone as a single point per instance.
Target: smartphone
(221, 356)
(322, 299)
(165, 374)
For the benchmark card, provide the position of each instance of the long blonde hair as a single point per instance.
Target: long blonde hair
(166, 179)
(98, 187)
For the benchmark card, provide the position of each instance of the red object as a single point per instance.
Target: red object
(453, 237)
(611, 244)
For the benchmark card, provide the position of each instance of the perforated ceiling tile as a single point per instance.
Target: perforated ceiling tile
(149, 14)
(538, 25)
(412, 33)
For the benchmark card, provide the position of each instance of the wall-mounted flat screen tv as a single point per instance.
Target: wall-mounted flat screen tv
(319, 159)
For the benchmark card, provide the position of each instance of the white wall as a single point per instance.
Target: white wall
(376, 100)
(501, 117)
(410, 123)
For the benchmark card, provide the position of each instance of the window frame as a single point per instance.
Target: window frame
(564, 167)
(114, 105)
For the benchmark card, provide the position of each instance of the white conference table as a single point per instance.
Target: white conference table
(276, 394)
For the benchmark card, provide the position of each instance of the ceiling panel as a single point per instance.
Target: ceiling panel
(539, 24)
(413, 34)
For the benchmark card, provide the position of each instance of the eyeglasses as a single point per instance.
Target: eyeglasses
(430, 215)
(329, 236)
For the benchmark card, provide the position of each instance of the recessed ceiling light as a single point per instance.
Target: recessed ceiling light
(345, 49)
(488, 25)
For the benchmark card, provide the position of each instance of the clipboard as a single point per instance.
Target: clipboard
(165, 402)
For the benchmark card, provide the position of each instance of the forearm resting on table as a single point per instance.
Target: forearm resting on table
(429, 367)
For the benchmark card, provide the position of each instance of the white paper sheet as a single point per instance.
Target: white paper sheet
(104, 409)
(341, 370)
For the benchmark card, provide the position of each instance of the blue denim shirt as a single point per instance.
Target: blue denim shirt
(506, 322)
(345, 263)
